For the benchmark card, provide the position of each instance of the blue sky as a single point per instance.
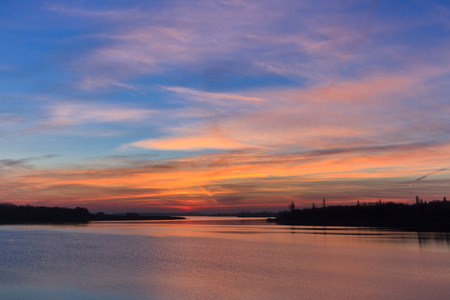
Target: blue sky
(223, 105)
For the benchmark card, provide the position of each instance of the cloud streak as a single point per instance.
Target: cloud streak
(431, 173)
(72, 113)
(359, 41)
(202, 95)
(24, 162)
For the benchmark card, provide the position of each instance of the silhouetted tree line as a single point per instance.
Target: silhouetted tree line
(422, 216)
(10, 214)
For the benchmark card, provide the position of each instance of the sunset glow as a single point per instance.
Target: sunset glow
(223, 106)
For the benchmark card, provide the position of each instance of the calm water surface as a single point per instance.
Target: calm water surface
(220, 258)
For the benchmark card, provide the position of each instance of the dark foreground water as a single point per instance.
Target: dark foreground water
(220, 258)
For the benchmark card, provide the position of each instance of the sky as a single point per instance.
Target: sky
(224, 105)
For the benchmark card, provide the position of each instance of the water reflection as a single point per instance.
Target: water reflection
(220, 258)
(257, 229)
(233, 227)
(387, 235)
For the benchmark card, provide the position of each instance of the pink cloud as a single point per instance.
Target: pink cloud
(188, 143)
(202, 95)
(71, 113)
(135, 44)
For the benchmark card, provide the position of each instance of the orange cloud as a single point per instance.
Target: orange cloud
(240, 179)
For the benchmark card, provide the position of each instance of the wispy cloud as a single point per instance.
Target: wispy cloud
(204, 96)
(24, 162)
(9, 119)
(188, 143)
(71, 113)
(371, 110)
(309, 47)
(206, 33)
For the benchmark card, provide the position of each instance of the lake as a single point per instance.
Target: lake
(220, 258)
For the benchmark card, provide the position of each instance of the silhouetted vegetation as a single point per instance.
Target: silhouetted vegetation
(421, 216)
(16, 214)
(13, 214)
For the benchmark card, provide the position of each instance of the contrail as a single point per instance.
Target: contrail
(420, 178)
(359, 41)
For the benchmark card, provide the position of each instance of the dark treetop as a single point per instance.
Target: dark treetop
(13, 214)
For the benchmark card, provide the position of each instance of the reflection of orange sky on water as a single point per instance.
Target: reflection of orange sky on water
(197, 255)
(258, 230)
